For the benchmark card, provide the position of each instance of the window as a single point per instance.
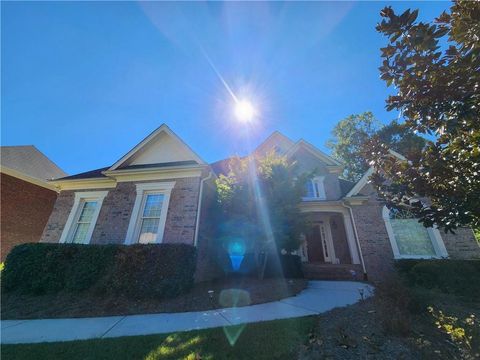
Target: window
(149, 213)
(83, 217)
(315, 189)
(409, 238)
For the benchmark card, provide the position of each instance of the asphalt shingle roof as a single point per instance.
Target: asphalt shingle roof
(29, 161)
(97, 173)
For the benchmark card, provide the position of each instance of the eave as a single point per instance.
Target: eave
(84, 184)
(30, 179)
(159, 173)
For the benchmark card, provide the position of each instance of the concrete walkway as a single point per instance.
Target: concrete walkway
(319, 297)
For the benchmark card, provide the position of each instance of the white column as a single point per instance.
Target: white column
(352, 245)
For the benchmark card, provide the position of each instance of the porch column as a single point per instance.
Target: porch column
(352, 245)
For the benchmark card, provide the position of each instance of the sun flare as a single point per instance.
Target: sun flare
(244, 111)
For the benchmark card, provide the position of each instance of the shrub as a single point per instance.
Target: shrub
(393, 300)
(161, 270)
(288, 266)
(459, 277)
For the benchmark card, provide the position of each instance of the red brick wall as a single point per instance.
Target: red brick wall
(25, 209)
(114, 217)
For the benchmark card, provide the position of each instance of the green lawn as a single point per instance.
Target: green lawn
(278, 339)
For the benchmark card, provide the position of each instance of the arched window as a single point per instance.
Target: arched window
(409, 238)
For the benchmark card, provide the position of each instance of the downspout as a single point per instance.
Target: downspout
(200, 197)
(357, 240)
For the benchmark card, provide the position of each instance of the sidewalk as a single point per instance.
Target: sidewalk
(319, 297)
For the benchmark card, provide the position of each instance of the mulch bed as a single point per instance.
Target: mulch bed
(357, 332)
(246, 291)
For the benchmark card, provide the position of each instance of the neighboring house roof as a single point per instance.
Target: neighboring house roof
(29, 161)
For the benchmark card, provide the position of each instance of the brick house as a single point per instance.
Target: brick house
(27, 198)
(158, 192)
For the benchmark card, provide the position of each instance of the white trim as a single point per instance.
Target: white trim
(364, 179)
(397, 155)
(361, 183)
(163, 128)
(325, 237)
(22, 176)
(350, 231)
(85, 184)
(319, 181)
(155, 174)
(348, 222)
(142, 190)
(99, 196)
(434, 234)
(329, 241)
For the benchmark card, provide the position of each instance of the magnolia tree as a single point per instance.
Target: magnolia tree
(258, 203)
(435, 71)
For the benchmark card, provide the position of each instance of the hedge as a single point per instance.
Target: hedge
(284, 265)
(460, 277)
(160, 270)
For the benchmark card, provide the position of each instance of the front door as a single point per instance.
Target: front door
(319, 243)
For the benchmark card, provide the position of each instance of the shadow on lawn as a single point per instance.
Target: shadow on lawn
(278, 339)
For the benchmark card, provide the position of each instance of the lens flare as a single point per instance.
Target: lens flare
(244, 111)
(236, 252)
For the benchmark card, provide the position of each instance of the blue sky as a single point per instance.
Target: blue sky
(86, 81)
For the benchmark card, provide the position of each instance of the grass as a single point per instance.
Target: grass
(88, 303)
(279, 339)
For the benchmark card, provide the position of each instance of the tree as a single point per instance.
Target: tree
(352, 133)
(349, 137)
(435, 69)
(258, 201)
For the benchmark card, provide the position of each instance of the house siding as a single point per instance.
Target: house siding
(462, 244)
(375, 243)
(207, 248)
(373, 238)
(25, 209)
(114, 217)
(307, 163)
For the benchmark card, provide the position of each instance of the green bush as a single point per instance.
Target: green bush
(288, 266)
(459, 277)
(161, 270)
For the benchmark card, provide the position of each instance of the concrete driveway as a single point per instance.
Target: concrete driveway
(319, 297)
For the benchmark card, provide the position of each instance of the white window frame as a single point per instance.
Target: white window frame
(318, 183)
(80, 198)
(435, 237)
(144, 189)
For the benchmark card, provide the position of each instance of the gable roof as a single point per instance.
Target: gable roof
(29, 161)
(274, 139)
(345, 186)
(302, 144)
(92, 174)
(364, 179)
(143, 146)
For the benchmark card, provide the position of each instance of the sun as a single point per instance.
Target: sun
(244, 111)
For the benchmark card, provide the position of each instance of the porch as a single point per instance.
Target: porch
(329, 249)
